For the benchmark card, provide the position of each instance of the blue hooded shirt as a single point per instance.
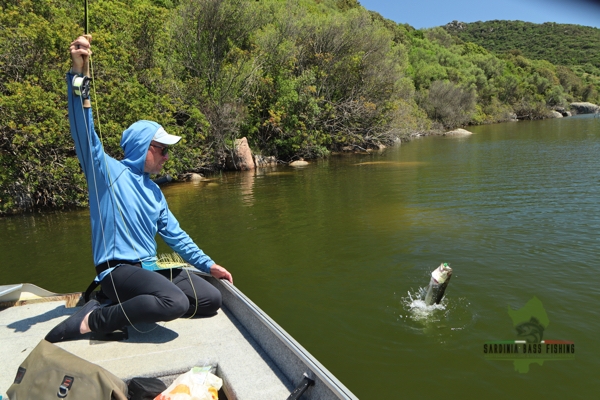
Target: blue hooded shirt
(127, 209)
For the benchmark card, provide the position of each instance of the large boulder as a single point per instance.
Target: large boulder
(262, 161)
(556, 114)
(458, 132)
(584, 108)
(299, 163)
(193, 177)
(240, 158)
(563, 111)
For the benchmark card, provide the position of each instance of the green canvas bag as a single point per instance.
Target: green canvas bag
(51, 373)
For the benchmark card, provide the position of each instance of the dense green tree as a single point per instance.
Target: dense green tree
(449, 104)
(329, 80)
(212, 54)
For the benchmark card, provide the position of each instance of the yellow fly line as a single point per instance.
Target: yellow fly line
(171, 260)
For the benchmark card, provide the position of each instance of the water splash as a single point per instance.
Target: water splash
(453, 316)
(414, 304)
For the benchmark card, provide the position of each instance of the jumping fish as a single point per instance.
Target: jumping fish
(440, 278)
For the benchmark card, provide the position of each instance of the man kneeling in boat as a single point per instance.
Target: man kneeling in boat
(127, 209)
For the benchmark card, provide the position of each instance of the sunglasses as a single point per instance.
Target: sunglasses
(163, 149)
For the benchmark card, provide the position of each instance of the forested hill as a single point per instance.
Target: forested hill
(296, 78)
(561, 44)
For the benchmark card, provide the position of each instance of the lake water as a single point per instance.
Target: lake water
(336, 251)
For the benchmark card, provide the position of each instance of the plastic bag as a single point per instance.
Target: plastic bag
(196, 384)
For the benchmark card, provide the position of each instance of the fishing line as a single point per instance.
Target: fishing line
(108, 177)
(163, 263)
(110, 186)
(113, 197)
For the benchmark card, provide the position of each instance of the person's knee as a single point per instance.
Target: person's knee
(176, 306)
(207, 306)
(213, 303)
(216, 301)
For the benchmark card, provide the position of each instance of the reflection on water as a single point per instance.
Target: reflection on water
(393, 163)
(336, 252)
(275, 173)
(246, 187)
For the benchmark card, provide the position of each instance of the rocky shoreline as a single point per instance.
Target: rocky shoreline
(585, 108)
(240, 158)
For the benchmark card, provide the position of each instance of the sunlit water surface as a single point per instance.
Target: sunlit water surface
(336, 253)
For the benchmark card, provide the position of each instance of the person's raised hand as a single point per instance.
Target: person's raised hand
(81, 51)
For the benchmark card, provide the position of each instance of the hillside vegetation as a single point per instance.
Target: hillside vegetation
(576, 46)
(298, 78)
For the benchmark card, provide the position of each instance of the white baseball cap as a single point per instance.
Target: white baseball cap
(161, 136)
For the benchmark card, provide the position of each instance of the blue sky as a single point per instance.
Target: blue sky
(430, 13)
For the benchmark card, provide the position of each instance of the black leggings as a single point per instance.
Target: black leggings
(144, 296)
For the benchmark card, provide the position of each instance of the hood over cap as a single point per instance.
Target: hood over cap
(135, 142)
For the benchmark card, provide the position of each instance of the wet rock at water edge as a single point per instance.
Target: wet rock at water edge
(240, 158)
(458, 132)
(299, 163)
(262, 161)
(584, 108)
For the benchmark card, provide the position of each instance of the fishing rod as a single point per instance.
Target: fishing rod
(81, 85)
(85, 13)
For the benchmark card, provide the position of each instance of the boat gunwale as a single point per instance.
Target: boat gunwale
(295, 373)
